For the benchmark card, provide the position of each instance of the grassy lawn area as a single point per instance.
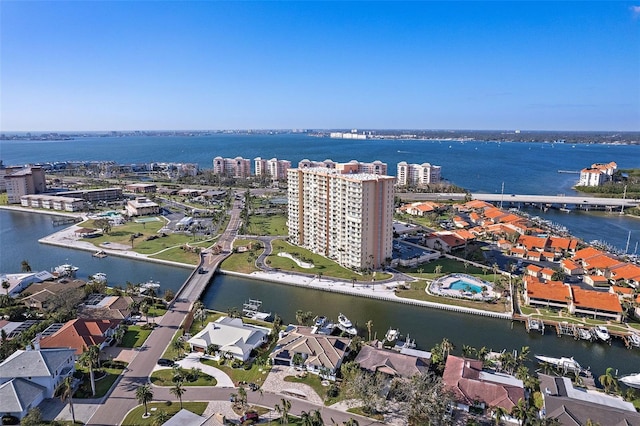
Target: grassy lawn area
(103, 382)
(449, 266)
(256, 374)
(134, 418)
(163, 378)
(134, 337)
(269, 224)
(417, 292)
(177, 254)
(316, 383)
(321, 264)
(242, 262)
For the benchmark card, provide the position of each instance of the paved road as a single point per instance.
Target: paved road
(122, 398)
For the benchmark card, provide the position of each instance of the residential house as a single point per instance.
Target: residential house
(391, 363)
(552, 294)
(570, 267)
(474, 387)
(108, 308)
(79, 334)
(28, 377)
(40, 295)
(596, 280)
(625, 272)
(318, 353)
(573, 406)
(596, 304)
(19, 282)
(231, 336)
(547, 274)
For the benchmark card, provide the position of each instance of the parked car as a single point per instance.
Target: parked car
(165, 362)
(250, 416)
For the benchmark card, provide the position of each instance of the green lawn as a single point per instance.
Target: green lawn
(256, 374)
(134, 418)
(163, 378)
(177, 254)
(134, 337)
(261, 224)
(242, 262)
(103, 383)
(449, 266)
(322, 265)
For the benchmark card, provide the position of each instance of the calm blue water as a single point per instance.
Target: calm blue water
(465, 286)
(527, 168)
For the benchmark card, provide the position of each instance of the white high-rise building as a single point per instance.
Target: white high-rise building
(345, 217)
(417, 174)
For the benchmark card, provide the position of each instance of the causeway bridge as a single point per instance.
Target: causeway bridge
(582, 202)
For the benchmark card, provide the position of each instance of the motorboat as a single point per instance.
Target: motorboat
(584, 334)
(563, 363)
(601, 332)
(392, 335)
(149, 285)
(99, 277)
(634, 340)
(65, 270)
(320, 321)
(632, 380)
(345, 325)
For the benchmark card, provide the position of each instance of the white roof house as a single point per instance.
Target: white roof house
(232, 336)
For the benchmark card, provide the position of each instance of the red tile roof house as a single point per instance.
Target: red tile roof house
(570, 267)
(79, 334)
(626, 272)
(533, 271)
(596, 280)
(445, 241)
(547, 274)
(600, 265)
(530, 243)
(596, 304)
(622, 292)
(552, 294)
(390, 362)
(562, 245)
(586, 253)
(474, 387)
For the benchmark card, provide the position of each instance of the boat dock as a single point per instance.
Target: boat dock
(100, 254)
(577, 331)
(251, 309)
(59, 221)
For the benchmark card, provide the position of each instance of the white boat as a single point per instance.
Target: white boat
(634, 340)
(632, 380)
(563, 363)
(99, 277)
(149, 285)
(392, 335)
(251, 309)
(345, 325)
(584, 334)
(65, 270)
(601, 333)
(320, 321)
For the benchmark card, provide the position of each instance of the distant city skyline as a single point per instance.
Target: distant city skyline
(122, 66)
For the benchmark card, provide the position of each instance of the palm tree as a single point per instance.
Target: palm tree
(25, 267)
(283, 409)
(160, 418)
(242, 395)
(447, 346)
(178, 345)
(144, 394)
(89, 359)
(369, 325)
(66, 395)
(495, 269)
(498, 414)
(437, 270)
(468, 351)
(178, 390)
(144, 308)
(5, 286)
(608, 380)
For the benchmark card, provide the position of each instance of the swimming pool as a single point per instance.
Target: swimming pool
(465, 286)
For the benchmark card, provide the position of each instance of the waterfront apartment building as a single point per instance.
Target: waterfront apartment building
(24, 181)
(276, 169)
(597, 174)
(232, 167)
(377, 167)
(417, 174)
(347, 217)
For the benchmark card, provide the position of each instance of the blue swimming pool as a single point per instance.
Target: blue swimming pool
(465, 286)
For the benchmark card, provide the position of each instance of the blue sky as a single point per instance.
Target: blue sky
(135, 65)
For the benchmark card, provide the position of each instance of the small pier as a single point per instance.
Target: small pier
(564, 328)
(573, 172)
(535, 325)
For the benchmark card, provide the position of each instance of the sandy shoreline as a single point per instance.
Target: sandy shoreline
(381, 291)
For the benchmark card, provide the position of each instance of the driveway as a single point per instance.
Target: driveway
(193, 360)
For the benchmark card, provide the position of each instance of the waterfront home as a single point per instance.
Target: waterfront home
(561, 245)
(597, 174)
(28, 377)
(596, 304)
(231, 336)
(622, 292)
(625, 272)
(390, 363)
(600, 264)
(316, 353)
(575, 406)
(78, 334)
(101, 307)
(481, 389)
(551, 294)
(19, 282)
(40, 295)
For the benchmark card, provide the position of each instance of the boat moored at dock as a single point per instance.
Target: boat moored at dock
(345, 325)
(566, 364)
(632, 380)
